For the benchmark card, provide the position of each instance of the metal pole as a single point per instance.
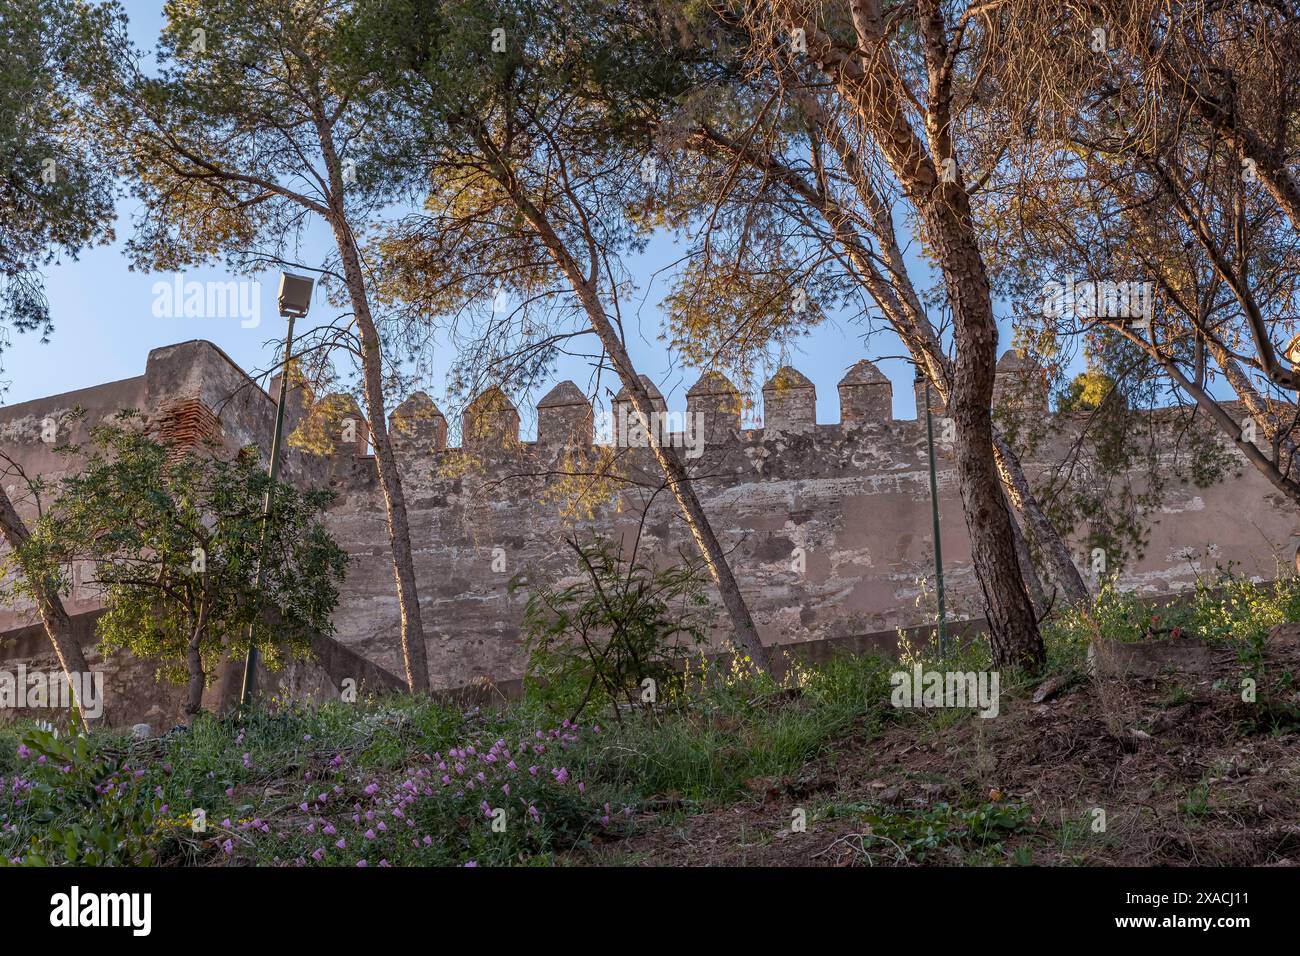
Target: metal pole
(934, 511)
(273, 471)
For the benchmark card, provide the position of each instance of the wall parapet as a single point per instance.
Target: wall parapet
(566, 417)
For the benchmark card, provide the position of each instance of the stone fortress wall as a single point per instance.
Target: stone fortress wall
(828, 525)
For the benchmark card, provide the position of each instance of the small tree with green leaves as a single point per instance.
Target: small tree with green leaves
(622, 624)
(173, 541)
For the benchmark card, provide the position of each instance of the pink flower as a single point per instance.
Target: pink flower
(341, 844)
(370, 834)
(362, 863)
(318, 853)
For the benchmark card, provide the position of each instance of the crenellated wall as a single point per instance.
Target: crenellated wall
(828, 525)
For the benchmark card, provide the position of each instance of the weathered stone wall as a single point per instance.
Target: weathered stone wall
(828, 526)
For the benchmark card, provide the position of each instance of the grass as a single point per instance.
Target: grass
(340, 784)
(403, 781)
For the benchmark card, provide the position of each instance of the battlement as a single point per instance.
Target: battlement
(566, 417)
(193, 391)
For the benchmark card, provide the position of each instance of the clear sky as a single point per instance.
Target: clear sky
(105, 323)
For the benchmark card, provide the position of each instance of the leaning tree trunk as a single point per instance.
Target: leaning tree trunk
(745, 633)
(1013, 630)
(1065, 575)
(872, 86)
(1033, 584)
(414, 651)
(898, 301)
(58, 627)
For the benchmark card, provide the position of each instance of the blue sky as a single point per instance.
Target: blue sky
(105, 323)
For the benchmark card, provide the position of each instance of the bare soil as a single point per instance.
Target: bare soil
(1185, 770)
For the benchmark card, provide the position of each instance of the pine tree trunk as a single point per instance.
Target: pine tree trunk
(1033, 584)
(874, 89)
(414, 650)
(744, 632)
(54, 617)
(900, 304)
(1065, 575)
(1013, 630)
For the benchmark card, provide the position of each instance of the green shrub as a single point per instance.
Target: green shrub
(617, 635)
(1226, 608)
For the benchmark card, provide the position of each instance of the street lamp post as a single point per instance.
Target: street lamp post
(294, 300)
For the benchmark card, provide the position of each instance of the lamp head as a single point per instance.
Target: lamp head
(295, 295)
